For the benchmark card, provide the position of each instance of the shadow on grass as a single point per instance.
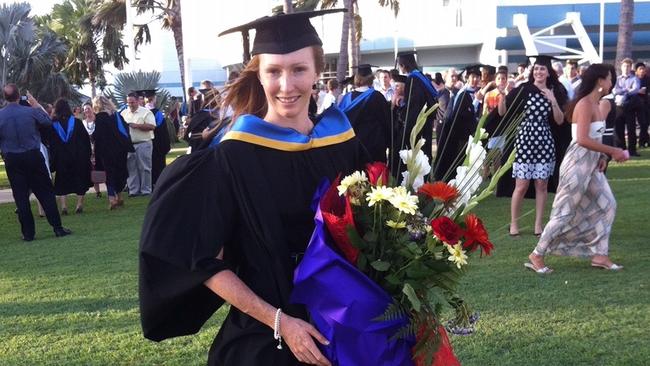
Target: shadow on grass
(67, 306)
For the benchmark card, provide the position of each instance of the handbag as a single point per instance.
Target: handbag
(98, 176)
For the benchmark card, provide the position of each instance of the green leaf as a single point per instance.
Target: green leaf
(355, 239)
(370, 236)
(412, 296)
(381, 266)
(362, 263)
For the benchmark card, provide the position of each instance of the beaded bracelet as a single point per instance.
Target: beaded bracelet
(276, 328)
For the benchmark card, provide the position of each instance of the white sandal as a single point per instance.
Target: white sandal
(543, 270)
(614, 267)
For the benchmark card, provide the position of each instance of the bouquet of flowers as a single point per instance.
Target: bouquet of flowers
(386, 258)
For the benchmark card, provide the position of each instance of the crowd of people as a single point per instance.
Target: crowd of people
(259, 148)
(79, 148)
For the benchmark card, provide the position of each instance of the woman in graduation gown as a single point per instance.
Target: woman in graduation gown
(70, 155)
(369, 114)
(460, 122)
(202, 119)
(112, 144)
(540, 141)
(230, 224)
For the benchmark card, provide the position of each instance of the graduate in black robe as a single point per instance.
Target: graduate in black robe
(161, 142)
(70, 153)
(460, 122)
(369, 114)
(202, 120)
(112, 144)
(236, 219)
(418, 93)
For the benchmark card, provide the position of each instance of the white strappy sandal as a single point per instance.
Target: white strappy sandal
(543, 270)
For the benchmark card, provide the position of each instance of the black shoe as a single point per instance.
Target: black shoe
(133, 195)
(28, 238)
(61, 231)
(79, 210)
(98, 194)
(64, 212)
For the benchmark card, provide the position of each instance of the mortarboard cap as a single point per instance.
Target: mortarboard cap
(491, 70)
(348, 80)
(204, 91)
(406, 53)
(639, 64)
(398, 78)
(281, 34)
(544, 60)
(472, 70)
(147, 93)
(364, 69)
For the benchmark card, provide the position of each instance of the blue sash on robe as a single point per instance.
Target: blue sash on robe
(64, 135)
(347, 104)
(427, 84)
(159, 118)
(333, 128)
(120, 124)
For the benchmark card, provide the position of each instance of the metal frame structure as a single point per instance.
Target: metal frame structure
(545, 37)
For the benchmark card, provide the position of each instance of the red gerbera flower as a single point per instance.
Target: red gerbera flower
(377, 170)
(439, 191)
(476, 236)
(337, 215)
(446, 229)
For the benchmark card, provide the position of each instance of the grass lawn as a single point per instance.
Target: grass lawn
(74, 301)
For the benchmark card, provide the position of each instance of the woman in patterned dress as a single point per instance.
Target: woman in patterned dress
(544, 98)
(584, 207)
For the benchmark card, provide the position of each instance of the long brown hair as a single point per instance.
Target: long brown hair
(589, 82)
(246, 95)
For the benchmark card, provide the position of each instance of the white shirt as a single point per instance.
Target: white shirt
(142, 115)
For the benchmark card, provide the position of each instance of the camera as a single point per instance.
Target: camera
(24, 101)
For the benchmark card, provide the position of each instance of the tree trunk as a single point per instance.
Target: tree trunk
(354, 41)
(287, 7)
(624, 43)
(342, 64)
(177, 30)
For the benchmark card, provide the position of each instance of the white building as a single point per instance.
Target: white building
(444, 32)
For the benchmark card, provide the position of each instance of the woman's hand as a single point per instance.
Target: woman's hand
(602, 165)
(548, 94)
(619, 155)
(298, 335)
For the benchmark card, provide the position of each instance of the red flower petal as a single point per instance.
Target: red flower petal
(446, 229)
(375, 171)
(337, 215)
(476, 236)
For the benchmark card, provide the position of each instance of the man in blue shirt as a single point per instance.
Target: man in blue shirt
(19, 144)
(627, 105)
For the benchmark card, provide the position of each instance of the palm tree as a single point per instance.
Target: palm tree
(624, 43)
(31, 56)
(168, 12)
(90, 45)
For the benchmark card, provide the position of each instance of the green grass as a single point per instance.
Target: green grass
(74, 301)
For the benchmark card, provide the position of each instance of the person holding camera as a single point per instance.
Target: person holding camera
(20, 146)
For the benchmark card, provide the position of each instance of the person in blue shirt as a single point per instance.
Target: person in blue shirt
(627, 104)
(20, 146)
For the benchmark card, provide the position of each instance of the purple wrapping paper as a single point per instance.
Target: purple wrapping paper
(342, 303)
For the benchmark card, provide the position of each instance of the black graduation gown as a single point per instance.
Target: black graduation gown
(111, 149)
(198, 122)
(71, 160)
(371, 123)
(160, 148)
(460, 123)
(561, 137)
(416, 96)
(254, 203)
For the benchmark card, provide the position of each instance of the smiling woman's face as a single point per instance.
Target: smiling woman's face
(287, 81)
